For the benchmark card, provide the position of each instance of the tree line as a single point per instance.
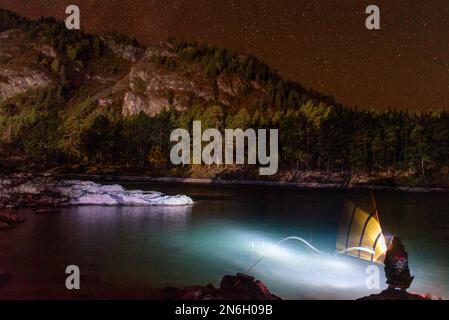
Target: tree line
(312, 137)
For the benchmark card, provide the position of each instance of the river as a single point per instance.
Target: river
(130, 252)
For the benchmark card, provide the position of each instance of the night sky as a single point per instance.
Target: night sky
(323, 44)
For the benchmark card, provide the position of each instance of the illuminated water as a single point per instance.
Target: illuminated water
(126, 252)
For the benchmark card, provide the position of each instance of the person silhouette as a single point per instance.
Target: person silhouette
(396, 264)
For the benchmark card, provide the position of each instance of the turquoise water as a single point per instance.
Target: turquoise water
(126, 252)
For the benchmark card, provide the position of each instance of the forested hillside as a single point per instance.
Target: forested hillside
(78, 101)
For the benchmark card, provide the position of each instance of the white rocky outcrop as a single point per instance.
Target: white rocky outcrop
(13, 82)
(20, 62)
(148, 87)
(125, 51)
(91, 193)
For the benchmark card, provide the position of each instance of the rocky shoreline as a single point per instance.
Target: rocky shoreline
(22, 189)
(218, 181)
(42, 192)
(245, 287)
(8, 220)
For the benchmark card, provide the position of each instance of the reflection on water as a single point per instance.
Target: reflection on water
(127, 250)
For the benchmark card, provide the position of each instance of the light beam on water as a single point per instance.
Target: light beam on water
(370, 251)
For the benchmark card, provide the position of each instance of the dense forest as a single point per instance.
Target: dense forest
(311, 138)
(316, 134)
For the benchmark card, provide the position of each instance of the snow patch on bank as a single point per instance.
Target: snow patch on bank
(91, 193)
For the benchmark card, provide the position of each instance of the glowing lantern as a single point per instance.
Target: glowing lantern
(360, 229)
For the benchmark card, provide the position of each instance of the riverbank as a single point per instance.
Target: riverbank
(27, 190)
(404, 181)
(43, 191)
(219, 181)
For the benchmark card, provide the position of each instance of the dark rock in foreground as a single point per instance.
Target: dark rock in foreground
(7, 220)
(392, 294)
(238, 287)
(11, 218)
(5, 226)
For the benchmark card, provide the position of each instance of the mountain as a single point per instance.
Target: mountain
(67, 78)
(145, 79)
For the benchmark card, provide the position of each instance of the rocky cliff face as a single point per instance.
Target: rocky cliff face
(148, 86)
(20, 63)
(152, 88)
(126, 51)
(13, 82)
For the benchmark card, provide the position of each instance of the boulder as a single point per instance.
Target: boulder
(5, 226)
(91, 193)
(20, 190)
(393, 294)
(242, 286)
(11, 218)
(238, 287)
